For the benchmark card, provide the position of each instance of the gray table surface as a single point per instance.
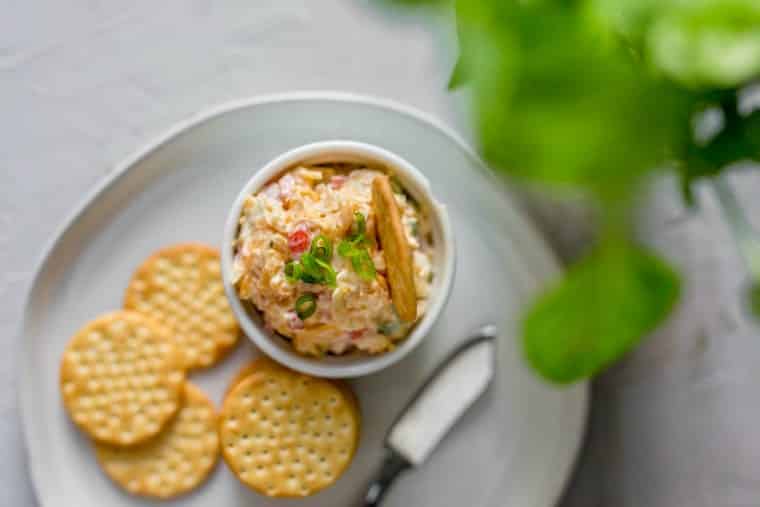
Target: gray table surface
(83, 83)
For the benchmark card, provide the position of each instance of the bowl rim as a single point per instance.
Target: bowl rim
(354, 365)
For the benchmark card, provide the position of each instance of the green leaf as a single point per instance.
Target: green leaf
(413, 2)
(629, 18)
(754, 299)
(699, 43)
(738, 140)
(559, 100)
(707, 43)
(601, 309)
(458, 75)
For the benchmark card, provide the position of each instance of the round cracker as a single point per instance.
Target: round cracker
(121, 378)
(285, 434)
(264, 362)
(181, 287)
(245, 371)
(177, 461)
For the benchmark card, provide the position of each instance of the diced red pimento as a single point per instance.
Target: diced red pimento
(357, 333)
(337, 181)
(298, 241)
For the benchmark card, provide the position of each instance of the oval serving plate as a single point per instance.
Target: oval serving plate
(516, 446)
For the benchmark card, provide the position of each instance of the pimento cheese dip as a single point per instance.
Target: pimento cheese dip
(307, 256)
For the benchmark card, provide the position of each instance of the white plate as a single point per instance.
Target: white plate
(517, 445)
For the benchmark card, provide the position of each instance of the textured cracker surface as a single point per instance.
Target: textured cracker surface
(245, 371)
(285, 434)
(178, 460)
(181, 287)
(121, 378)
(262, 362)
(396, 251)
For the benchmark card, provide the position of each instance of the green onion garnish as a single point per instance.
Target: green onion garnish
(363, 265)
(358, 227)
(330, 278)
(355, 250)
(310, 266)
(360, 259)
(345, 248)
(321, 248)
(388, 328)
(293, 271)
(314, 265)
(306, 305)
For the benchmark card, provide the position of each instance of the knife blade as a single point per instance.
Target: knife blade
(447, 394)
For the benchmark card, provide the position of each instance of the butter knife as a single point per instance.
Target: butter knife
(452, 388)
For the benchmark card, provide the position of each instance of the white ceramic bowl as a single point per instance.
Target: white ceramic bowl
(355, 364)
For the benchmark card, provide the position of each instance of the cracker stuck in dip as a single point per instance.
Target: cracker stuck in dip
(317, 254)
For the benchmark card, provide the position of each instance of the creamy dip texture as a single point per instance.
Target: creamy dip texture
(308, 258)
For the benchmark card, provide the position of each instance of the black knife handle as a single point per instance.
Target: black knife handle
(393, 465)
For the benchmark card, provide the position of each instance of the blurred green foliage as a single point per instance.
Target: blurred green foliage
(559, 101)
(706, 43)
(754, 299)
(596, 94)
(626, 292)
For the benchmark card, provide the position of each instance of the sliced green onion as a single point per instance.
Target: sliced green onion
(358, 227)
(322, 248)
(309, 278)
(310, 270)
(310, 266)
(353, 248)
(314, 265)
(388, 328)
(345, 248)
(293, 271)
(363, 265)
(306, 305)
(328, 273)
